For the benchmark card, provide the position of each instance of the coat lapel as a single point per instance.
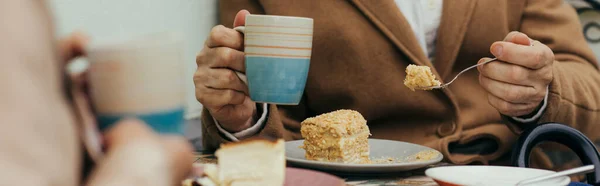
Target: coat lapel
(388, 18)
(456, 15)
(451, 32)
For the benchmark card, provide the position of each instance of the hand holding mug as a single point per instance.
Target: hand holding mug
(218, 87)
(267, 64)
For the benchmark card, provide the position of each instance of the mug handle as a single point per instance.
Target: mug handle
(563, 134)
(241, 29)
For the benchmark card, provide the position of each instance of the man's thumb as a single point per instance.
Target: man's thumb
(240, 18)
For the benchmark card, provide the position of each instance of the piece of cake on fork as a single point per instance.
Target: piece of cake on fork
(420, 77)
(339, 136)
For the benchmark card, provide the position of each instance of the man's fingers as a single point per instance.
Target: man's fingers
(510, 92)
(223, 57)
(217, 98)
(240, 18)
(533, 57)
(221, 36)
(518, 38)
(481, 61)
(508, 108)
(223, 78)
(519, 49)
(506, 72)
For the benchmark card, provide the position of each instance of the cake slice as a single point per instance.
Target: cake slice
(211, 171)
(252, 162)
(419, 77)
(201, 181)
(339, 136)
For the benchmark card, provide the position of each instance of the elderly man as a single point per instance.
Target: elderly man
(361, 48)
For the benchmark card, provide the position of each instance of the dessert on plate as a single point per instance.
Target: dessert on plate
(254, 162)
(419, 77)
(338, 136)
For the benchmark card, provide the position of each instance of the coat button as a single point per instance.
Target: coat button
(446, 129)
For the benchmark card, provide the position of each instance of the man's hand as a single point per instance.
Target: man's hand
(517, 82)
(218, 87)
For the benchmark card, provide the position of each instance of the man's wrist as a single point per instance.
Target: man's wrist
(247, 124)
(537, 109)
(255, 126)
(239, 128)
(537, 114)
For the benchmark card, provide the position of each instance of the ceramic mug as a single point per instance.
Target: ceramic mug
(560, 133)
(140, 78)
(277, 57)
(528, 139)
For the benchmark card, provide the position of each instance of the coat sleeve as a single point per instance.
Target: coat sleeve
(282, 121)
(574, 94)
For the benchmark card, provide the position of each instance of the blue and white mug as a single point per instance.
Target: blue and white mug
(277, 57)
(140, 78)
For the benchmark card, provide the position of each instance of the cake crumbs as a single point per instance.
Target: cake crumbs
(425, 155)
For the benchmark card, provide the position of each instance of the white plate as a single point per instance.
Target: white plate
(490, 176)
(378, 149)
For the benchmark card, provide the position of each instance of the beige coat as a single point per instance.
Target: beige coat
(362, 47)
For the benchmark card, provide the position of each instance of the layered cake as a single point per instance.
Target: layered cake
(419, 77)
(255, 162)
(209, 177)
(339, 136)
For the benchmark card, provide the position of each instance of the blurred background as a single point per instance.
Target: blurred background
(118, 19)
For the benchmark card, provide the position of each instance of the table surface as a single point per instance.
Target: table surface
(416, 177)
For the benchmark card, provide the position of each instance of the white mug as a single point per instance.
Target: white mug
(277, 57)
(140, 78)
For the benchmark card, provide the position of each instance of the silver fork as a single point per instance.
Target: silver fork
(466, 69)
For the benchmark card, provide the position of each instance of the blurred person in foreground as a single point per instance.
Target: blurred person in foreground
(545, 73)
(42, 139)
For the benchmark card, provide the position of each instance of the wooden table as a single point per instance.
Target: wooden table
(416, 177)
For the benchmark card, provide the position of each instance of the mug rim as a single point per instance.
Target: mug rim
(138, 42)
(279, 16)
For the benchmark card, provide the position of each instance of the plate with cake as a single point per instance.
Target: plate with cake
(339, 142)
